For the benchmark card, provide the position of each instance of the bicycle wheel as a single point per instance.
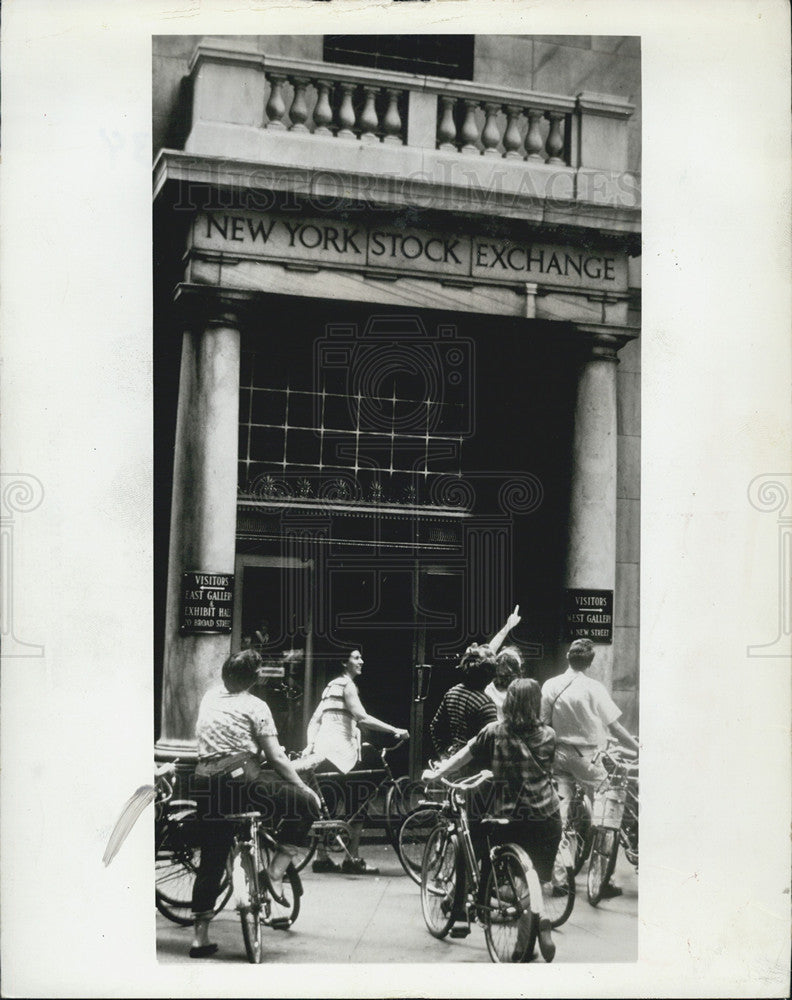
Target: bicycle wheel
(509, 925)
(176, 865)
(601, 863)
(579, 823)
(558, 895)
(400, 799)
(441, 881)
(305, 855)
(413, 835)
(248, 902)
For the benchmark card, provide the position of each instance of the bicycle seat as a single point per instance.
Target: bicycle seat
(494, 820)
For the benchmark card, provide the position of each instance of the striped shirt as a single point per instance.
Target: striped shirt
(462, 713)
(333, 731)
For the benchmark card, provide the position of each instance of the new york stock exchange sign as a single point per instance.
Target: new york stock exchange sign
(400, 249)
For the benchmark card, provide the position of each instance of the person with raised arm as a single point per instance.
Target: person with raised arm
(465, 708)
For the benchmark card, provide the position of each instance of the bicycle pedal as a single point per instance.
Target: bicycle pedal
(280, 923)
(461, 931)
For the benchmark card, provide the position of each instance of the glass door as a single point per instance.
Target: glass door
(273, 615)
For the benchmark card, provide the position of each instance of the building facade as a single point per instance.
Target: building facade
(397, 362)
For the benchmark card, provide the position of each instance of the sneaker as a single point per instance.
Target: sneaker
(546, 944)
(610, 891)
(325, 865)
(357, 866)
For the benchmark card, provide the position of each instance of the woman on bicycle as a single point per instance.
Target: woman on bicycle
(237, 738)
(519, 751)
(334, 744)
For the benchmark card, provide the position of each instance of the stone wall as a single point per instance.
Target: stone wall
(567, 64)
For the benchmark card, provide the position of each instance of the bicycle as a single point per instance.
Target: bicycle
(253, 892)
(415, 830)
(579, 830)
(177, 851)
(504, 894)
(332, 831)
(576, 837)
(614, 819)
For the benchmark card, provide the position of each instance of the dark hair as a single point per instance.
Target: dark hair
(580, 654)
(348, 651)
(522, 705)
(508, 665)
(477, 667)
(240, 670)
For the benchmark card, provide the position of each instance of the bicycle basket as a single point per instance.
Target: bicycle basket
(609, 808)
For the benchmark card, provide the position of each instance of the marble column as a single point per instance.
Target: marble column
(203, 513)
(591, 552)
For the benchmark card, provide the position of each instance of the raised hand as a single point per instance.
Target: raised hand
(514, 618)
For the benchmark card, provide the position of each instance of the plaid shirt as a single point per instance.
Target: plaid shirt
(521, 768)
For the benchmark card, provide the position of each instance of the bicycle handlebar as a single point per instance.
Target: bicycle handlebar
(165, 770)
(467, 783)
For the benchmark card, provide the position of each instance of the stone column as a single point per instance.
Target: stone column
(203, 513)
(591, 553)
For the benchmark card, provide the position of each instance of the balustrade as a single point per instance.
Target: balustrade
(494, 129)
(399, 109)
(328, 103)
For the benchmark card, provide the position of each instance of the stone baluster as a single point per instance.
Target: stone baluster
(490, 136)
(323, 113)
(276, 106)
(446, 131)
(534, 144)
(391, 122)
(299, 108)
(555, 139)
(469, 132)
(346, 112)
(512, 140)
(368, 121)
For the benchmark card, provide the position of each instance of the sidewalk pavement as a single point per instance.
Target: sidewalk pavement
(366, 918)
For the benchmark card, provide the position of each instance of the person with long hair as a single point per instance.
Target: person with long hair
(519, 751)
(508, 666)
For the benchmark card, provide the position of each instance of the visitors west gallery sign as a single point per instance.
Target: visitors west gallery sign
(339, 243)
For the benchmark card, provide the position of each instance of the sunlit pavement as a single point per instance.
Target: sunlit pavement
(365, 918)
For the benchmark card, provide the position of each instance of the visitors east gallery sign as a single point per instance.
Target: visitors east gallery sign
(207, 602)
(325, 242)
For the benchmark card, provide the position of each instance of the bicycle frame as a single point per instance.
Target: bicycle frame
(455, 809)
(621, 784)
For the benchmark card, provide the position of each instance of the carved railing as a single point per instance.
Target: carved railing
(347, 103)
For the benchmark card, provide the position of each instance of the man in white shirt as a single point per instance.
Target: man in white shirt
(581, 712)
